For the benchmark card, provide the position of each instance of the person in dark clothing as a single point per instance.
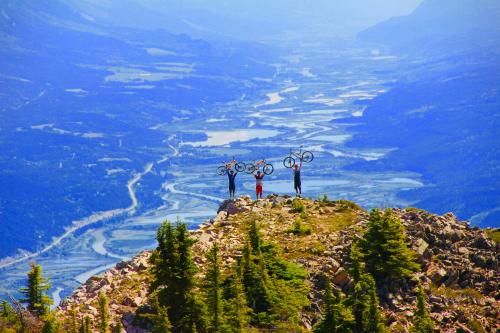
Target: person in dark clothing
(297, 184)
(231, 175)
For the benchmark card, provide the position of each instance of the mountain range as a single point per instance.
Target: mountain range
(443, 112)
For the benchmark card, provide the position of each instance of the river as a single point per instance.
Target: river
(319, 95)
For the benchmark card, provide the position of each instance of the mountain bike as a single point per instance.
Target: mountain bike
(304, 156)
(224, 169)
(267, 168)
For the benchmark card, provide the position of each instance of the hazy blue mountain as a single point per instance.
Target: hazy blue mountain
(246, 20)
(444, 112)
(69, 101)
(441, 27)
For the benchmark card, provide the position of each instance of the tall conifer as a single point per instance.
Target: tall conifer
(335, 319)
(36, 299)
(212, 289)
(423, 322)
(384, 248)
(364, 303)
(103, 314)
(173, 272)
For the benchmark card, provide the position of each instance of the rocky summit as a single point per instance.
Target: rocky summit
(459, 264)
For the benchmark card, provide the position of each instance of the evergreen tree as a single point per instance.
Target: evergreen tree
(422, 322)
(212, 289)
(384, 248)
(6, 309)
(254, 237)
(255, 279)
(364, 303)
(103, 313)
(173, 277)
(87, 325)
(72, 323)
(50, 325)
(161, 322)
(357, 267)
(336, 318)
(36, 299)
(235, 305)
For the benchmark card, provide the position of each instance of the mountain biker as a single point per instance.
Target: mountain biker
(297, 184)
(231, 175)
(259, 181)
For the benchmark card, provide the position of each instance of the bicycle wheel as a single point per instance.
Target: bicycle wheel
(222, 170)
(268, 169)
(249, 168)
(239, 167)
(289, 162)
(307, 156)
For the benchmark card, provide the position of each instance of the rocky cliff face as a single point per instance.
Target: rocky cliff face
(460, 264)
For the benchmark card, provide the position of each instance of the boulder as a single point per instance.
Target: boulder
(482, 242)
(341, 279)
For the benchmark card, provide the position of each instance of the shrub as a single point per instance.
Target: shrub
(298, 206)
(299, 229)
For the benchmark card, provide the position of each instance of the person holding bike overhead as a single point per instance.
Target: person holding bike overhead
(232, 187)
(259, 181)
(297, 184)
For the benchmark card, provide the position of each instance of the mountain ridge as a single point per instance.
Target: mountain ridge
(459, 263)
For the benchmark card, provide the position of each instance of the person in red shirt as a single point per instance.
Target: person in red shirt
(259, 181)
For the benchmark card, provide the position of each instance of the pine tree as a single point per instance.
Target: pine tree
(161, 323)
(255, 279)
(6, 309)
(357, 267)
(336, 319)
(87, 325)
(36, 299)
(72, 323)
(384, 248)
(103, 313)
(212, 289)
(235, 305)
(364, 303)
(173, 277)
(422, 322)
(254, 237)
(50, 325)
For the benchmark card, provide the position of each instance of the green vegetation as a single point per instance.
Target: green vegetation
(422, 321)
(117, 328)
(37, 301)
(299, 229)
(364, 303)
(213, 291)
(343, 204)
(457, 294)
(476, 326)
(103, 314)
(173, 278)
(87, 325)
(337, 318)
(384, 250)
(262, 289)
(51, 325)
(297, 206)
(494, 234)
(235, 304)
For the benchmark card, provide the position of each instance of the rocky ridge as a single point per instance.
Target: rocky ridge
(460, 264)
